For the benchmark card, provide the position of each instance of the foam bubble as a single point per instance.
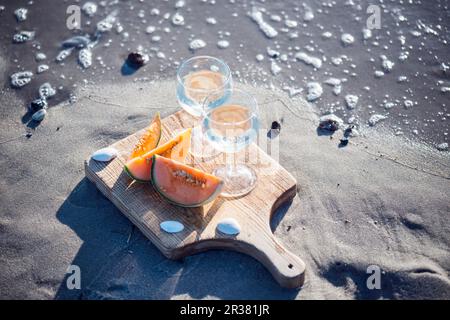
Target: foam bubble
(197, 44)
(223, 44)
(266, 28)
(21, 14)
(310, 60)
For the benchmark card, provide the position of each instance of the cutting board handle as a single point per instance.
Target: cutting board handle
(287, 269)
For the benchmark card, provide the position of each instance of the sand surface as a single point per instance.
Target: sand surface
(379, 201)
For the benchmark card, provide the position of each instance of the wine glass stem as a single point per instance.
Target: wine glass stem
(231, 164)
(231, 167)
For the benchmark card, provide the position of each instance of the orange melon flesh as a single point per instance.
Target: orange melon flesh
(139, 168)
(149, 139)
(183, 185)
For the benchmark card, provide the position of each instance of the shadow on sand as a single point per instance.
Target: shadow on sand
(118, 262)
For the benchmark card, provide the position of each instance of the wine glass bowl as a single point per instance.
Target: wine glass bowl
(197, 78)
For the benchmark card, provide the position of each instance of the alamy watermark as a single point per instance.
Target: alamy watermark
(74, 279)
(73, 20)
(374, 20)
(374, 280)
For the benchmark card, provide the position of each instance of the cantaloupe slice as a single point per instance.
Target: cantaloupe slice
(150, 139)
(139, 168)
(183, 185)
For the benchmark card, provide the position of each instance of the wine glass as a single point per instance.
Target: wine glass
(231, 127)
(197, 78)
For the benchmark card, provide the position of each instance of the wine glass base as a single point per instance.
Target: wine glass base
(200, 145)
(237, 183)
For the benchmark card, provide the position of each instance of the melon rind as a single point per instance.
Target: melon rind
(210, 198)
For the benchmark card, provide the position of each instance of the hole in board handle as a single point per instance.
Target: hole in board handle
(290, 266)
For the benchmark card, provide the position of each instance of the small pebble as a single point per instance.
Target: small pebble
(273, 53)
(171, 226)
(137, 59)
(275, 126)
(38, 104)
(330, 122)
(39, 115)
(105, 154)
(229, 226)
(343, 142)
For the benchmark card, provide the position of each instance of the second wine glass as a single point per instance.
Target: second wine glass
(197, 78)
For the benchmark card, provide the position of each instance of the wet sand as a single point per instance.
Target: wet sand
(425, 121)
(378, 201)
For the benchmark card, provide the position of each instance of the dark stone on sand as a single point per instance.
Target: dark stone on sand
(275, 126)
(348, 131)
(137, 59)
(274, 130)
(343, 142)
(37, 105)
(329, 125)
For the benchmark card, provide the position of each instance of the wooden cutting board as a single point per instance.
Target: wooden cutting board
(146, 209)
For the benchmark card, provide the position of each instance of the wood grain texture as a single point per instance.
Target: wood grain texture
(146, 209)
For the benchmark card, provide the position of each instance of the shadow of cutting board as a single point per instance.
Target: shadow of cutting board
(146, 209)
